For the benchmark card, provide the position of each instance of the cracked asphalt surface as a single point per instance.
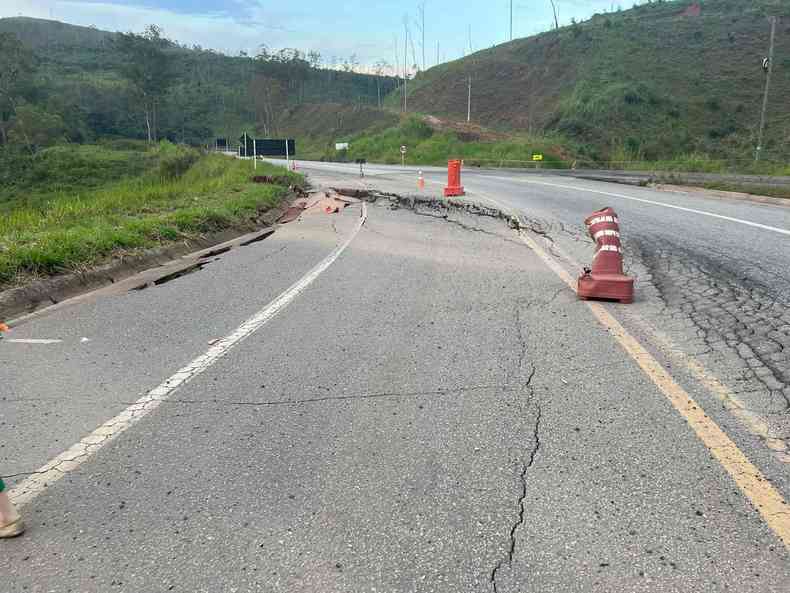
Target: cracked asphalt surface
(436, 412)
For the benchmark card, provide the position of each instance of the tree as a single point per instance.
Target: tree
(556, 14)
(421, 26)
(16, 69)
(269, 98)
(36, 127)
(147, 68)
(314, 59)
(380, 68)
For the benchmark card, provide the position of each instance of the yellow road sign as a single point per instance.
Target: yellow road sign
(537, 157)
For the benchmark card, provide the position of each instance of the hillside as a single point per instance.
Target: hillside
(79, 88)
(657, 81)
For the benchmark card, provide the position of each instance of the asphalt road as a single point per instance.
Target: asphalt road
(712, 274)
(433, 410)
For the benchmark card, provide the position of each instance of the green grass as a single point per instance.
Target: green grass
(45, 233)
(692, 163)
(67, 168)
(750, 188)
(428, 147)
(648, 80)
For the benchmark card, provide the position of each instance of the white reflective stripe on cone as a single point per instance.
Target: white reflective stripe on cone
(614, 248)
(606, 233)
(600, 219)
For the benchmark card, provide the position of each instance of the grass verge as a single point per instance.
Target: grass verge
(771, 191)
(175, 194)
(426, 146)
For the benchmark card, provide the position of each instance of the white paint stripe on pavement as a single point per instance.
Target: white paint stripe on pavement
(30, 341)
(653, 203)
(72, 458)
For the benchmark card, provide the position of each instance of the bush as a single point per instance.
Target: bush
(175, 160)
(34, 127)
(67, 168)
(414, 128)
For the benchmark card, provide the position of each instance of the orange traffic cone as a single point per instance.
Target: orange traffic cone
(606, 279)
(420, 181)
(454, 187)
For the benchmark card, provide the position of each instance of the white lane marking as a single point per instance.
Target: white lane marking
(653, 203)
(30, 341)
(73, 457)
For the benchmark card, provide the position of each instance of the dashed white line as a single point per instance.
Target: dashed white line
(72, 458)
(30, 341)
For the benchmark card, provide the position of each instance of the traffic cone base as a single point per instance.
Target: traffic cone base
(615, 287)
(454, 191)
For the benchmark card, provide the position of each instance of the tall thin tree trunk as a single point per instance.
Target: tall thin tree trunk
(154, 125)
(148, 124)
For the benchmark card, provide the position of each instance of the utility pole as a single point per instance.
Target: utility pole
(405, 60)
(511, 20)
(397, 61)
(422, 14)
(765, 94)
(437, 52)
(469, 102)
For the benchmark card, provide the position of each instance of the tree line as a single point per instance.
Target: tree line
(146, 86)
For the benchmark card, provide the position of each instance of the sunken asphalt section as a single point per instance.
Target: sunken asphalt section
(437, 412)
(720, 290)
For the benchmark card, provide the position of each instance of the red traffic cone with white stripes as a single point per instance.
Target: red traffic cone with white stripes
(606, 279)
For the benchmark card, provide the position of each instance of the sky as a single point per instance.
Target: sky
(365, 28)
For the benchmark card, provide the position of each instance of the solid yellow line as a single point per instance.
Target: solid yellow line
(754, 485)
(758, 490)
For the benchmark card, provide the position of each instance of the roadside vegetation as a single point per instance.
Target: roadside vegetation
(65, 82)
(68, 207)
(691, 163)
(648, 84)
(427, 146)
(771, 191)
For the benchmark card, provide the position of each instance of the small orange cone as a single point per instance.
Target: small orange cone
(421, 181)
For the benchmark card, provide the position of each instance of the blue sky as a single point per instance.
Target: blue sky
(336, 29)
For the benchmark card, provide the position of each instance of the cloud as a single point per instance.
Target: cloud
(219, 30)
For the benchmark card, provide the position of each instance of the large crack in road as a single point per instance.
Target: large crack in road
(512, 539)
(441, 210)
(744, 323)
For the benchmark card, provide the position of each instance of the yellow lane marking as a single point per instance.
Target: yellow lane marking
(753, 421)
(755, 486)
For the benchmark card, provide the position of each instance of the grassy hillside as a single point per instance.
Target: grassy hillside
(432, 143)
(67, 207)
(317, 127)
(653, 82)
(78, 85)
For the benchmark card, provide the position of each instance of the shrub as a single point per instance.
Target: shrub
(174, 160)
(415, 128)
